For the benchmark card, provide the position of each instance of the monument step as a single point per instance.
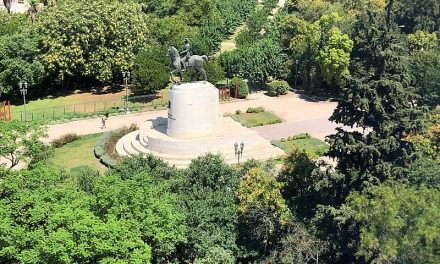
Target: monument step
(253, 149)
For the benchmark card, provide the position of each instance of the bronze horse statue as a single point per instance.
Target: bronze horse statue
(195, 61)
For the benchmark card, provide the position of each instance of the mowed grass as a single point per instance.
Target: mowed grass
(256, 119)
(84, 103)
(312, 145)
(78, 153)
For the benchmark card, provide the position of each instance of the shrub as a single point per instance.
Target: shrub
(105, 146)
(113, 138)
(243, 89)
(300, 136)
(259, 109)
(63, 140)
(277, 88)
(238, 111)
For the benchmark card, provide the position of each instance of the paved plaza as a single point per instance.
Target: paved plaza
(298, 115)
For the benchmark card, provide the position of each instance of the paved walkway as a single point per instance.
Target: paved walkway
(297, 114)
(319, 128)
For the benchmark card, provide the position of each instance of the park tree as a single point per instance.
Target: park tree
(379, 97)
(297, 245)
(263, 208)
(150, 71)
(13, 23)
(257, 62)
(149, 204)
(208, 194)
(422, 41)
(379, 102)
(43, 219)
(425, 68)
(20, 141)
(414, 15)
(19, 61)
(397, 223)
(334, 58)
(322, 49)
(94, 40)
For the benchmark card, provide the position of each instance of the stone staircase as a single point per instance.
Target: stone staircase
(133, 144)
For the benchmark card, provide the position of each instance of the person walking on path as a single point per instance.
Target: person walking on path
(103, 120)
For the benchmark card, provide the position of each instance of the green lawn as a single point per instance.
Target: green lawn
(256, 119)
(83, 104)
(303, 141)
(78, 153)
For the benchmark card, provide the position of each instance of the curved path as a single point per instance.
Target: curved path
(298, 116)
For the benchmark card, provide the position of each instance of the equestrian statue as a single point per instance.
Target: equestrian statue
(184, 59)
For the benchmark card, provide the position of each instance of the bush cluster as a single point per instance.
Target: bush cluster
(296, 137)
(259, 109)
(101, 154)
(105, 146)
(276, 88)
(242, 89)
(63, 140)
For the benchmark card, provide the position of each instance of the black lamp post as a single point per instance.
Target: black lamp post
(126, 78)
(23, 85)
(238, 151)
(296, 72)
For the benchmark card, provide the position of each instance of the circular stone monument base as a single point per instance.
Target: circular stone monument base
(193, 110)
(151, 138)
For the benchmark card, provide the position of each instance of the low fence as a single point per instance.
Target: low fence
(85, 109)
(134, 103)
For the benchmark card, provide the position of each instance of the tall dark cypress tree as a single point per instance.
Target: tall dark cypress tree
(378, 100)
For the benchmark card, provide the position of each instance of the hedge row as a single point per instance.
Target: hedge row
(101, 154)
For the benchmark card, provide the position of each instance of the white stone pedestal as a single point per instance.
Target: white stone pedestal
(194, 127)
(193, 110)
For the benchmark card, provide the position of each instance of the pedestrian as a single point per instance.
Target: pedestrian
(103, 120)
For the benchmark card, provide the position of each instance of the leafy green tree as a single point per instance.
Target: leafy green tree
(231, 63)
(90, 39)
(21, 141)
(263, 208)
(150, 71)
(171, 30)
(298, 245)
(322, 49)
(397, 223)
(214, 71)
(44, 220)
(379, 97)
(426, 72)
(418, 15)
(149, 204)
(19, 62)
(208, 193)
(334, 58)
(11, 24)
(421, 40)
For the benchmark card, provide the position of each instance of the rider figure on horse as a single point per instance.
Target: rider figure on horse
(185, 54)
